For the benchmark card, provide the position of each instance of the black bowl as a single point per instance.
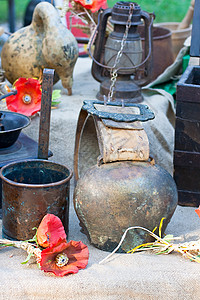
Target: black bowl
(11, 124)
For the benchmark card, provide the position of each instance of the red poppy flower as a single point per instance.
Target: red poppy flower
(50, 231)
(93, 5)
(27, 101)
(64, 258)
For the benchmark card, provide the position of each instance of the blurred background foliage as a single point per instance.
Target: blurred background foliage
(20, 6)
(165, 10)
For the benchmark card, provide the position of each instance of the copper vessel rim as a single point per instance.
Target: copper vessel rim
(18, 184)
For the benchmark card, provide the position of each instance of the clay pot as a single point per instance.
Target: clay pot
(112, 197)
(162, 49)
(46, 43)
(178, 35)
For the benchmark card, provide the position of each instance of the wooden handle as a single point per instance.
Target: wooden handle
(188, 17)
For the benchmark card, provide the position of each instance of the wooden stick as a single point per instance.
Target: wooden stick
(188, 17)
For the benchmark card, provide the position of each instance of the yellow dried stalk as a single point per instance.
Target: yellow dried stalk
(190, 250)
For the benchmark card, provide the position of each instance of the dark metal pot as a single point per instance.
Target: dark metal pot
(31, 189)
(11, 124)
(112, 197)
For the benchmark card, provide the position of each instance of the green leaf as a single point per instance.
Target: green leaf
(34, 239)
(161, 252)
(53, 103)
(27, 259)
(56, 94)
(6, 245)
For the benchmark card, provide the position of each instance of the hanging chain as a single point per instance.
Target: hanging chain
(114, 69)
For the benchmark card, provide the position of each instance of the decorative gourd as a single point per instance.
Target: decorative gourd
(46, 43)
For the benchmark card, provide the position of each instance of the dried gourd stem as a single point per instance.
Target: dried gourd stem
(124, 235)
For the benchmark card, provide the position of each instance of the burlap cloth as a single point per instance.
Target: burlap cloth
(124, 276)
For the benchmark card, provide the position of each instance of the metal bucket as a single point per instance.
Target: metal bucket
(31, 189)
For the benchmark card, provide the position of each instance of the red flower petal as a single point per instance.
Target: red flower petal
(76, 252)
(25, 86)
(198, 211)
(93, 5)
(50, 231)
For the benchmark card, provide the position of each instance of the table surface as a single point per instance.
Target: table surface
(124, 276)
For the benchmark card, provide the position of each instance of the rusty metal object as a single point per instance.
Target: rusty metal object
(107, 51)
(24, 148)
(187, 138)
(144, 114)
(118, 186)
(31, 189)
(112, 197)
(47, 87)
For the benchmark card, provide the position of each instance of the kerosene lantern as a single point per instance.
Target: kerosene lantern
(119, 57)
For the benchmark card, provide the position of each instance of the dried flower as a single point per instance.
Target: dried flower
(27, 101)
(50, 231)
(64, 258)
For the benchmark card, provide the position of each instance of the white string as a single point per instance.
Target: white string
(123, 237)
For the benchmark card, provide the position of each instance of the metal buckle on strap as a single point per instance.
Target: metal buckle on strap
(144, 115)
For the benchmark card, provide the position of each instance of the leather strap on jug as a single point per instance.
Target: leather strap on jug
(104, 139)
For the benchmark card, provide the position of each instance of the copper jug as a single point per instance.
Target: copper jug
(125, 187)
